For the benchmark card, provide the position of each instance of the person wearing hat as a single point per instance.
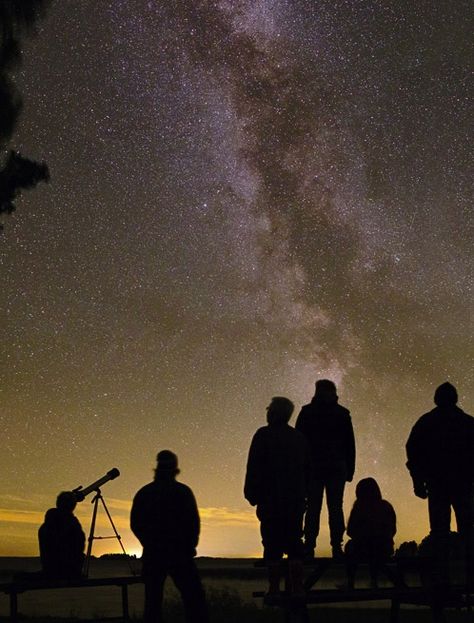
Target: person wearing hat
(62, 540)
(165, 519)
(440, 453)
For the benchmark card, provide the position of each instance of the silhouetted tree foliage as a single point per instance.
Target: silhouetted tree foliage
(118, 556)
(19, 173)
(17, 19)
(407, 549)
(457, 547)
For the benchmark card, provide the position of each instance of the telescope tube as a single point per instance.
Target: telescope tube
(81, 493)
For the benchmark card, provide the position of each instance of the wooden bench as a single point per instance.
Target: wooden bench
(15, 588)
(295, 608)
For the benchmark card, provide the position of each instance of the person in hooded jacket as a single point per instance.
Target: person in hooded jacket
(165, 519)
(440, 453)
(62, 540)
(371, 527)
(276, 481)
(328, 428)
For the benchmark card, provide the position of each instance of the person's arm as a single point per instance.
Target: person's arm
(300, 423)
(414, 451)
(42, 547)
(353, 525)
(252, 486)
(393, 520)
(194, 521)
(471, 458)
(79, 536)
(350, 449)
(307, 466)
(137, 523)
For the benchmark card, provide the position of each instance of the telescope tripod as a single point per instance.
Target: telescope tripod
(98, 497)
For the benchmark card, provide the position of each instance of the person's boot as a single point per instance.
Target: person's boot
(295, 570)
(337, 552)
(274, 575)
(309, 552)
(351, 567)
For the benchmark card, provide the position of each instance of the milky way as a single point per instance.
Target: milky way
(244, 197)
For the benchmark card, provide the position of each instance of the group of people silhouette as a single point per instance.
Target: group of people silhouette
(289, 469)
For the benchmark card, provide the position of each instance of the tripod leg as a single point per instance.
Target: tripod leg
(117, 535)
(90, 540)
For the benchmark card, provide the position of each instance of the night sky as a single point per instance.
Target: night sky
(244, 197)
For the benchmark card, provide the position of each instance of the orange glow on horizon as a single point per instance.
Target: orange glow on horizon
(225, 532)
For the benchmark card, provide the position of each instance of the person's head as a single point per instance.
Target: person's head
(367, 490)
(166, 464)
(326, 391)
(66, 501)
(279, 410)
(446, 395)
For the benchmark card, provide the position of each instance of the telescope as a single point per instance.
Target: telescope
(81, 493)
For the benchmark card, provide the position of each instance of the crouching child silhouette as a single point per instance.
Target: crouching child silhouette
(371, 528)
(278, 471)
(165, 520)
(62, 540)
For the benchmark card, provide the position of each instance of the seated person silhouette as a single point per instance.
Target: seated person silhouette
(371, 528)
(278, 471)
(61, 540)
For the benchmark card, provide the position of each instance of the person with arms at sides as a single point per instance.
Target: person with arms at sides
(165, 519)
(328, 428)
(276, 480)
(440, 453)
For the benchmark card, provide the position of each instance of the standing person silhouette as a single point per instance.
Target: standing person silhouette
(328, 429)
(165, 520)
(440, 453)
(276, 482)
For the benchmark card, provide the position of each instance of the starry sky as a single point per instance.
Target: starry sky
(244, 197)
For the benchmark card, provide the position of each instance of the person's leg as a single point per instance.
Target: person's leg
(463, 503)
(375, 558)
(374, 572)
(292, 531)
(382, 552)
(312, 516)
(294, 549)
(270, 530)
(185, 575)
(351, 563)
(334, 496)
(439, 507)
(154, 583)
